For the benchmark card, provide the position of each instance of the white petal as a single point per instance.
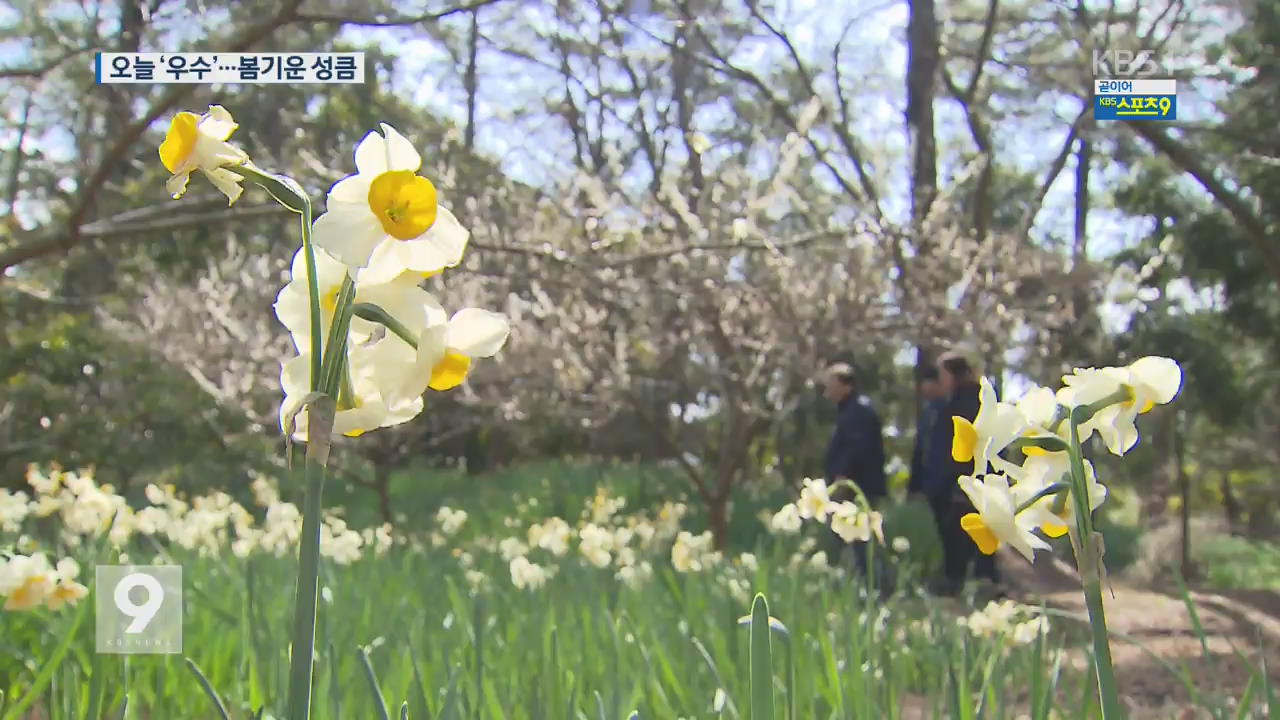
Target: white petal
(387, 262)
(403, 300)
(177, 184)
(226, 181)
(477, 333)
(217, 123)
(1039, 405)
(349, 234)
(293, 308)
(1161, 377)
(401, 154)
(295, 376)
(210, 153)
(352, 189)
(371, 155)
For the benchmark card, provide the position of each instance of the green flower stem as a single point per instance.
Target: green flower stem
(327, 370)
(1054, 489)
(291, 195)
(336, 348)
(320, 422)
(319, 438)
(1089, 562)
(375, 313)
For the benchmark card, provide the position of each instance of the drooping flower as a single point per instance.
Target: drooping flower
(996, 425)
(852, 523)
(199, 142)
(386, 218)
(997, 520)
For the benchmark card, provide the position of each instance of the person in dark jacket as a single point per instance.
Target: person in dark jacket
(856, 449)
(926, 476)
(950, 503)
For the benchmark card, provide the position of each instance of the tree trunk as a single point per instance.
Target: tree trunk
(469, 80)
(718, 519)
(382, 486)
(922, 75)
(1230, 504)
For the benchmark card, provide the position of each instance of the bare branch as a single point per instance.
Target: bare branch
(343, 19)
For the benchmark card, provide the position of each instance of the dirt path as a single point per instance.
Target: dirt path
(1158, 623)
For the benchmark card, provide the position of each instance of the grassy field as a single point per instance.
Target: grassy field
(435, 625)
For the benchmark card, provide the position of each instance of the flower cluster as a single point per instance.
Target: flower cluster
(605, 540)
(207, 525)
(694, 553)
(27, 581)
(1014, 500)
(383, 231)
(1007, 620)
(851, 521)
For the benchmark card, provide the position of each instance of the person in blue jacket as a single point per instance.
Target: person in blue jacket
(856, 449)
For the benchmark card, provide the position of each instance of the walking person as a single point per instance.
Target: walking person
(960, 385)
(855, 452)
(926, 475)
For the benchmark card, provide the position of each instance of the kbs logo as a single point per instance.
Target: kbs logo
(138, 609)
(1126, 63)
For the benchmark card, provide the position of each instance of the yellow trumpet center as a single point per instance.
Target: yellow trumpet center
(450, 371)
(179, 141)
(1054, 530)
(965, 439)
(986, 540)
(329, 300)
(404, 203)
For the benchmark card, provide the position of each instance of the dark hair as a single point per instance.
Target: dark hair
(844, 372)
(927, 373)
(957, 365)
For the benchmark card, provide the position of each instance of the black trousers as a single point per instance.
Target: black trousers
(959, 552)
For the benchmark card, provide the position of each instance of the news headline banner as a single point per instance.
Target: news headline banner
(1135, 99)
(229, 68)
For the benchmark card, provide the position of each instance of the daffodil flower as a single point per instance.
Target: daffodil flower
(997, 520)
(26, 581)
(366, 410)
(66, 591)
(815, 500)
(199, 142)
(446, 349)
(1041, 471)
(996, 425)
(401, 298)
(386, 218)
(1148, 382)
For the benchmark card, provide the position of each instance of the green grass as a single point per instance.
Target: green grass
(583, 646)
(1232, 563)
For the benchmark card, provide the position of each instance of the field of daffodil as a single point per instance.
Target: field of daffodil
(498, 612)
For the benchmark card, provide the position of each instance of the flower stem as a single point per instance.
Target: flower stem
(291, 195)
(319, 434)
(1089, 563)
